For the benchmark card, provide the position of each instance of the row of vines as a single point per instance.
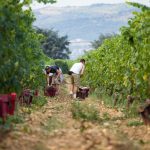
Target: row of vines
(21, 57)
(122, 64)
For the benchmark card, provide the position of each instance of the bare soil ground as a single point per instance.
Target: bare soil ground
(53, 128)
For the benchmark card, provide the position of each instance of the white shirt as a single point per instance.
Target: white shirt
(77, 68)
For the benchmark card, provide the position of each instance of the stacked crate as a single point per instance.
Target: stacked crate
(83, 92)
(7, 105)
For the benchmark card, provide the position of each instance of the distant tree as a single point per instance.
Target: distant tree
(97, 43)
(46, 1)
(53, 45)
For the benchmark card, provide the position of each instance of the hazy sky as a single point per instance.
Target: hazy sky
(88, 2)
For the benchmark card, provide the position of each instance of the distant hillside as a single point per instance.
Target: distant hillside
(84, 22)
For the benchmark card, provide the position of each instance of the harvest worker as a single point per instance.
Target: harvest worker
(53, 76)
(75, 73)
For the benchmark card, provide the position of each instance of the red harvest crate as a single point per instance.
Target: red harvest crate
(7, 104)
(50, 91)
(12, 103)
(83, 92)
(36, 93)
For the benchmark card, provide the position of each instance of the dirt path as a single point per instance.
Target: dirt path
(53, 128)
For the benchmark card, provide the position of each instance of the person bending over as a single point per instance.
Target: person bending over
(53, 76)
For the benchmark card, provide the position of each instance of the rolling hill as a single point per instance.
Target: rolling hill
(84, 22)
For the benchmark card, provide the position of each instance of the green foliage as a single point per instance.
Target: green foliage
(15, 119)
(47, 1)
(97, 43)
(20, 53)
(122, 63)
(84, 112)
(143, 7)
(63, 65)
(39, 101)
(53, 45)
(134, 123)
(27, 2)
